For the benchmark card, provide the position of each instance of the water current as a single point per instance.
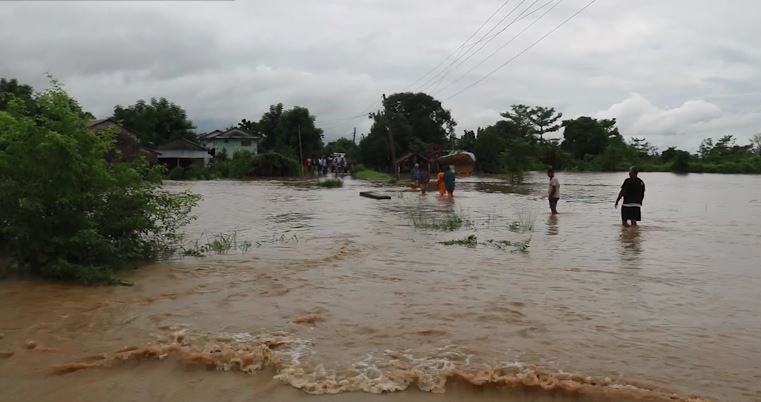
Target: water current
(336, 297)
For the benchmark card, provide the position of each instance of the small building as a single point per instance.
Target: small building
(230, 141)
(205, 139)
(183, 153)
(408, 161)
(128, 146)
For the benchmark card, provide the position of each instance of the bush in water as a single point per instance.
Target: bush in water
(66, 213)
(246, 164)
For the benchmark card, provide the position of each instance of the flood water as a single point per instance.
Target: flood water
(342, 298)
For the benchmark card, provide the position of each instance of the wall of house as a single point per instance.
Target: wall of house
(173, 155)
(231, 146)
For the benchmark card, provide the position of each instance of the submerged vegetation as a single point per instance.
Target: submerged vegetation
(330, 183)
(525, 222)
(472, 241)
(219, 243)
(448, 222)
(66, 212)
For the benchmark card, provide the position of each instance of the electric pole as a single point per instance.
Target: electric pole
(392, 148)
(301, 154)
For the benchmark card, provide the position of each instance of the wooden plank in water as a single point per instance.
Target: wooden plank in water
(375, 196)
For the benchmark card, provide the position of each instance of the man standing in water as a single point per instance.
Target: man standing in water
(554, 192)
(449, 177)
(633, 192)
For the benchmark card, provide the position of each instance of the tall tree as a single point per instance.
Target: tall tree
(544, 120)
(296, 131)
(268, 125)
(157, 122)
(520, 116)
(412, 120)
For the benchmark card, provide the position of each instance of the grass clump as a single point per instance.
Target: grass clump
(524, 224)
(448, 223)
(362, 173)
(470, 241)
(219, 243)
(331, 183)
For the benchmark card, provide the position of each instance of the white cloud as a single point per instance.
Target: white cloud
(684, 125)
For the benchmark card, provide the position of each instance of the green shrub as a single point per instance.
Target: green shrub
(273, 164)
(69, 215)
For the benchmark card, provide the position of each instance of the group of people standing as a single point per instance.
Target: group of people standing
(444, 180)
(632, 192)
(330, 164)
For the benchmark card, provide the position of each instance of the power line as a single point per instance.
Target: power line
(557, 3)
(529, 47)
(486, 42)
(454, 54)
(462, 45)
(438, 77)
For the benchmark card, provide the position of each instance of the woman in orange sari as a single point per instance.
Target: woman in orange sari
(440, 183)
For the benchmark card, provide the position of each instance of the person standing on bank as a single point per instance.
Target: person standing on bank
(633, 193)
(554, 192)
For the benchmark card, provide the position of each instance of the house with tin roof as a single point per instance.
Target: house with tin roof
(230, 141)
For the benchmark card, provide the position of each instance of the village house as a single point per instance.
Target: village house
(183, 153)
(230, 141)
(127, 145)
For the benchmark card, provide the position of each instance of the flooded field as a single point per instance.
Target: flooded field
(339, 298)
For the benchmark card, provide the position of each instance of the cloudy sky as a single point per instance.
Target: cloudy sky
(673, 71)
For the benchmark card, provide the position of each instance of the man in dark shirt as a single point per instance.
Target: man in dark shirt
(633, 192)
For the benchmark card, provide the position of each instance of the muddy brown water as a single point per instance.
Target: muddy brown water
(342, 298)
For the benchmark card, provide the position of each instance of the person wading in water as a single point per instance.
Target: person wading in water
(633, 193)
(449, 178)
(554, 192)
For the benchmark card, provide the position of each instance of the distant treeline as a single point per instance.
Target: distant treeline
(417, 122)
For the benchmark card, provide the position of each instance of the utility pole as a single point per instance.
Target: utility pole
(301, 154)
(354, 137)
(391, 146)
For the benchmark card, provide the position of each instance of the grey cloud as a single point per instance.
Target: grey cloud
(693, 62)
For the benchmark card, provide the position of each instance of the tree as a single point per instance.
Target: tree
(66, 213)
(642, 147)
(520, 116)
(489, 146)
(412, 121)
(468, 141)
(373, 148)
(341, 145)
(756, 143)
(516, 159)
(249, 126)
(587, 136)
(543, 120)
(12, 89)
(295, 123)
(157, 122)
(268, 125)
(423, 114)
